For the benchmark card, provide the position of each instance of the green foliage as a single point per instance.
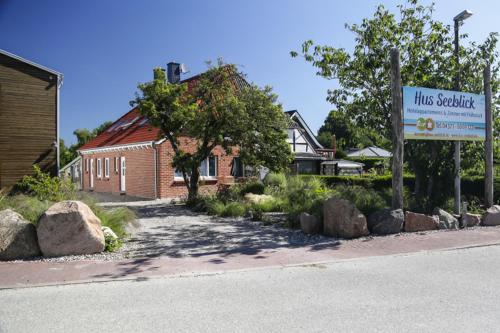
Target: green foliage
(252, 186)
(111, 244)
(304, 195)
(115, 218)
(31, 208)
(47, 188)
(220, 109)
(347, 134)
(372, 162)
(365, 199)
(234, 209)
(83, 135)
(215, 207)
(363, 91)
(275, 182)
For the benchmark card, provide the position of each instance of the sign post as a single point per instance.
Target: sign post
(397, 132)
(488, 177)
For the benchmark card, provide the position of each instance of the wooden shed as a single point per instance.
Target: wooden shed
(29, 118)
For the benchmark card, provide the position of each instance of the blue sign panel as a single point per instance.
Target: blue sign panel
(432, 114)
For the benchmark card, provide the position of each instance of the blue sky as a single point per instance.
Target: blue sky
(104, 48)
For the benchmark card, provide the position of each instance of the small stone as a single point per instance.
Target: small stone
(420, 222)
(492, 216)
(446, 220)
(310, 224)
(470, 220)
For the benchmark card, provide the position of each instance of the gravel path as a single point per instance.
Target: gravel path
(175, 231)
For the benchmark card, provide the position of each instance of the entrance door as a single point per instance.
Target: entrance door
(123, 167)
(91, 173)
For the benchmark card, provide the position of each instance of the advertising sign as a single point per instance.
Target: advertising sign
(432, 114)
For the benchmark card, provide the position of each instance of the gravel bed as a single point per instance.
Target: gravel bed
(175, 231)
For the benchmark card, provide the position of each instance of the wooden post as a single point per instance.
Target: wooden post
(397, 131)
(488, 177)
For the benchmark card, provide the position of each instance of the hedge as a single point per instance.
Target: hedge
(370, 162)
(471, 185)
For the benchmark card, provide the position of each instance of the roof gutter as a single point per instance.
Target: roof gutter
(58, 157)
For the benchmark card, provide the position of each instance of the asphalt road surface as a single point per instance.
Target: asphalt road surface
(442, 291)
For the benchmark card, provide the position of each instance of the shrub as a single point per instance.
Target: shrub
(252, 186)
(234, 209)
(45, 187)
(214, 207)
(31, 208)
(366, 200)
(111, 244)
(304, 195)
(275, 181)
(115, 218)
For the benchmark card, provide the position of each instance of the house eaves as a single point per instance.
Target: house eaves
(29, 62)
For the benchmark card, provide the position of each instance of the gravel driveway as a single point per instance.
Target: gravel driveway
(174, 231)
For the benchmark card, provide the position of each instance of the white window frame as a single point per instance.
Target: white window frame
(87, 165)
(106, 167)
(179, 178)
(99, 167)
(117, 164)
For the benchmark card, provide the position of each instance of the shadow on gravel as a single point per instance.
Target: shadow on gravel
(185, 233)
(176, 232)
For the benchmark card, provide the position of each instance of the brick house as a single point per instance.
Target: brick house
(131, 158)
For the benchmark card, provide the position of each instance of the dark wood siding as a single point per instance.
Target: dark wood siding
(28, 120)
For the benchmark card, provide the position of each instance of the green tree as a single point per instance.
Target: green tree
(83, 135)
(427, 60)
(347, 134)
(218, 109)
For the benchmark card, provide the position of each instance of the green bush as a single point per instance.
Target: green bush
(215, 207)
(366, 200)
(234, 209)
(31, 208)
(304, 195)
(275, 181)
(252, 186)
(111, 244)
(45, 187)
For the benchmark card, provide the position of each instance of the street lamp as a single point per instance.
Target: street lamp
(458, 21)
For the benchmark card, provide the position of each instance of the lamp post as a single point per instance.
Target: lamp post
(458, 21)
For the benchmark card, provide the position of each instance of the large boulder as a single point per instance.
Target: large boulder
(420, 222)
(492, 216)
(17, 237)
(386, 221)
(446, 220)
(310, 224)
(70, 227)
(342, 219)
(470, 220)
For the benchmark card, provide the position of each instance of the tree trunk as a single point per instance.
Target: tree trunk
(193, 185)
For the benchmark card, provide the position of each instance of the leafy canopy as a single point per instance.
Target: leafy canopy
(427, 60)
(217, 108)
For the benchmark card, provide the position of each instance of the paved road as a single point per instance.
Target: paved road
(441, 291)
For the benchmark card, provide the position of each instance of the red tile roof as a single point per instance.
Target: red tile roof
(134, 128)
(130, 128)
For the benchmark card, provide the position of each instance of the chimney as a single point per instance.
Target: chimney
(173, 72)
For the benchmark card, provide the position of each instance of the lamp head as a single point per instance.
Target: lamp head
(464, 15)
